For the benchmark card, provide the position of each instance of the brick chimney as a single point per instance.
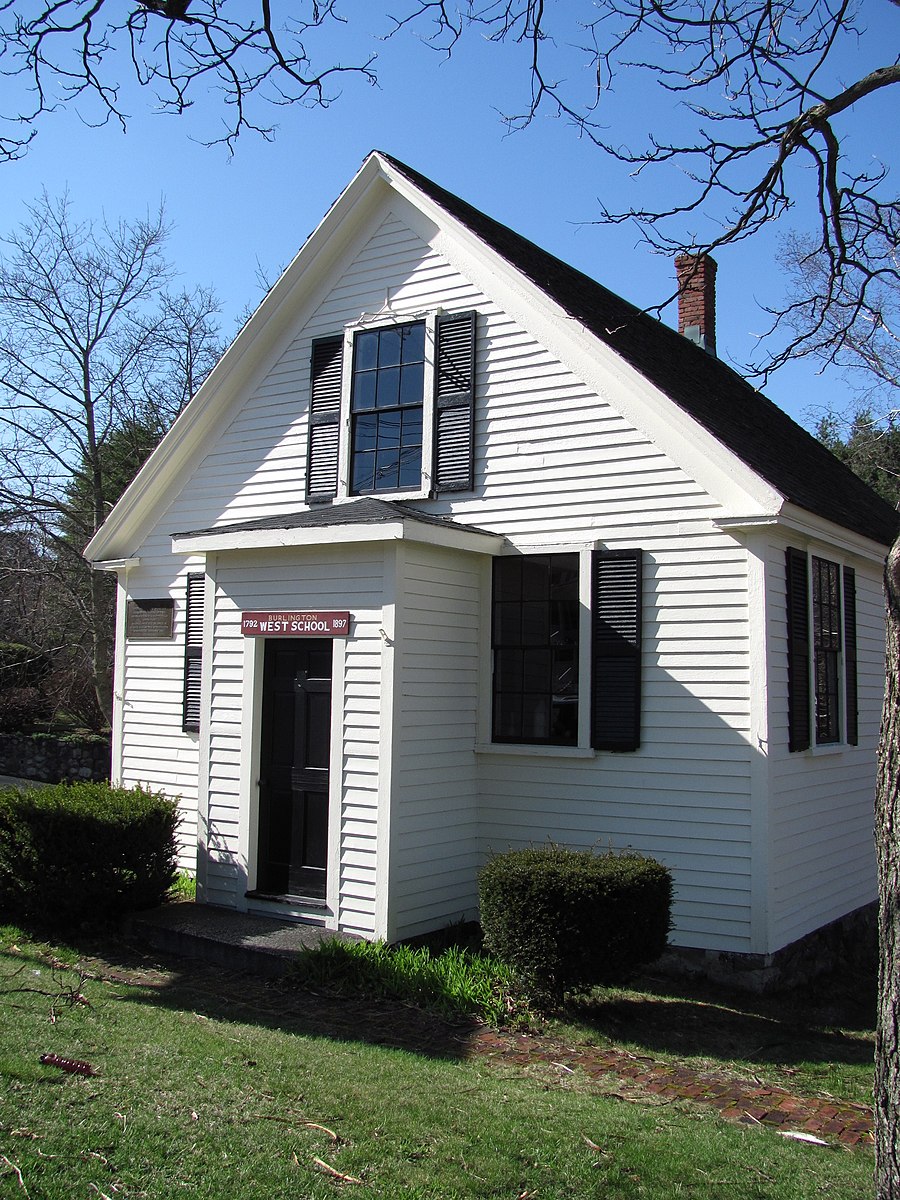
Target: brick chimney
(697, 299)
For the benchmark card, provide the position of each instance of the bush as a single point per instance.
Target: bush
(80, 852)
(568, 920)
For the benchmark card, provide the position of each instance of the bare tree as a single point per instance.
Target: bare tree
(84, 51)
(96, 357)
(758, 89)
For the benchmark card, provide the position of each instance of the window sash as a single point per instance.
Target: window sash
(822, 658)
(535, 638)
(387, 401)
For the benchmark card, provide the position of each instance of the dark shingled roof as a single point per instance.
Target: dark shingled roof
(739, 416)
(367, 511)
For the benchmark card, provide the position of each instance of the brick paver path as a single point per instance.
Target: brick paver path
(736, 1099)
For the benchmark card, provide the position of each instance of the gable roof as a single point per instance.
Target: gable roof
(698, 403)
(773, 445)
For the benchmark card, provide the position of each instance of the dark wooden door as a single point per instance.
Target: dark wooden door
(294, 757)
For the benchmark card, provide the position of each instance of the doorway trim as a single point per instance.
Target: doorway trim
(251, 742)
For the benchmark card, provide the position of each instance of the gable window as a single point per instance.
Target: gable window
(822, 688)
(402, 420)
(386, 400)
(193, 651)
(540, 691)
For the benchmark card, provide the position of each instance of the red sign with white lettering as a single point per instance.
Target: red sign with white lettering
(295, 624)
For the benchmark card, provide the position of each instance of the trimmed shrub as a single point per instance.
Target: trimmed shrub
(73, 853)
(568, 920)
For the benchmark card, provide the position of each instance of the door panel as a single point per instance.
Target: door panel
(294, 759)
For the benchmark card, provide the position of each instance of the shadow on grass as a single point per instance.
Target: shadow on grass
(169, 980)
(830, 1022)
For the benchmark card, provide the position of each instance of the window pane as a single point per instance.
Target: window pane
(826, 598)
(414, 343)
(388, 430)
(410, 467)
(508, 624)
(507, 579)
(365, 351)
(365, 431)
(535, 577)
(508, 718)
(564, 673)
(535, 718)
(387, 465)
(536, 671)
(412, 426)
(564, 722)
(412, 383)
(389, 348)
(535, 624)
(389, 387)
(364, 391)
(363, 471)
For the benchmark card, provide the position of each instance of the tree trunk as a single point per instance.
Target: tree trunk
(887, 837)
(101, 642)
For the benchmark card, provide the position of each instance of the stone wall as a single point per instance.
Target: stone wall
(53, 759)
(848, 945)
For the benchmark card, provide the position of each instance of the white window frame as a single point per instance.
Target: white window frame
(345, 448)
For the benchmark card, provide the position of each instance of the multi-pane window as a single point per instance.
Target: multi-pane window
(535, 642)
(826, 607)
(386, 405)
(822, 687)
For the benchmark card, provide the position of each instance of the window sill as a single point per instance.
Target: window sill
(829, 748)
(533, 751)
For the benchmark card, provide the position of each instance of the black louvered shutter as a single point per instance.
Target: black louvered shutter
(454, 403)
(850, 656)
(798, 649)
(616, 593)
(326, 376)
(193, 652)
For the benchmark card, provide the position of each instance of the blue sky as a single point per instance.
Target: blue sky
(235, 217)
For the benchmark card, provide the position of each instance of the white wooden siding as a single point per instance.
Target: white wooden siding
(823, 854)
(434, 820)
(156, 752)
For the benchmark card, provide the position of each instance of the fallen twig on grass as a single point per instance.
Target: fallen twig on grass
(334, 1172)
(18, 1174)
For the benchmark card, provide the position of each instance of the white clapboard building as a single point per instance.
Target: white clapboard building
(454, 551)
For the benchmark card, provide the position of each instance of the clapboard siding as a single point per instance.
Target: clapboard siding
(155, 751)
(434, 819)
(823, 858)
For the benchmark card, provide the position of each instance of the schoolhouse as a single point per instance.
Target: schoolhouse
(455, 550)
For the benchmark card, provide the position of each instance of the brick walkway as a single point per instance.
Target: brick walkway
(736, 1099)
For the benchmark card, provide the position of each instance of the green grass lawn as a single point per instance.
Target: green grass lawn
(820, 1041)
(213, 1086)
